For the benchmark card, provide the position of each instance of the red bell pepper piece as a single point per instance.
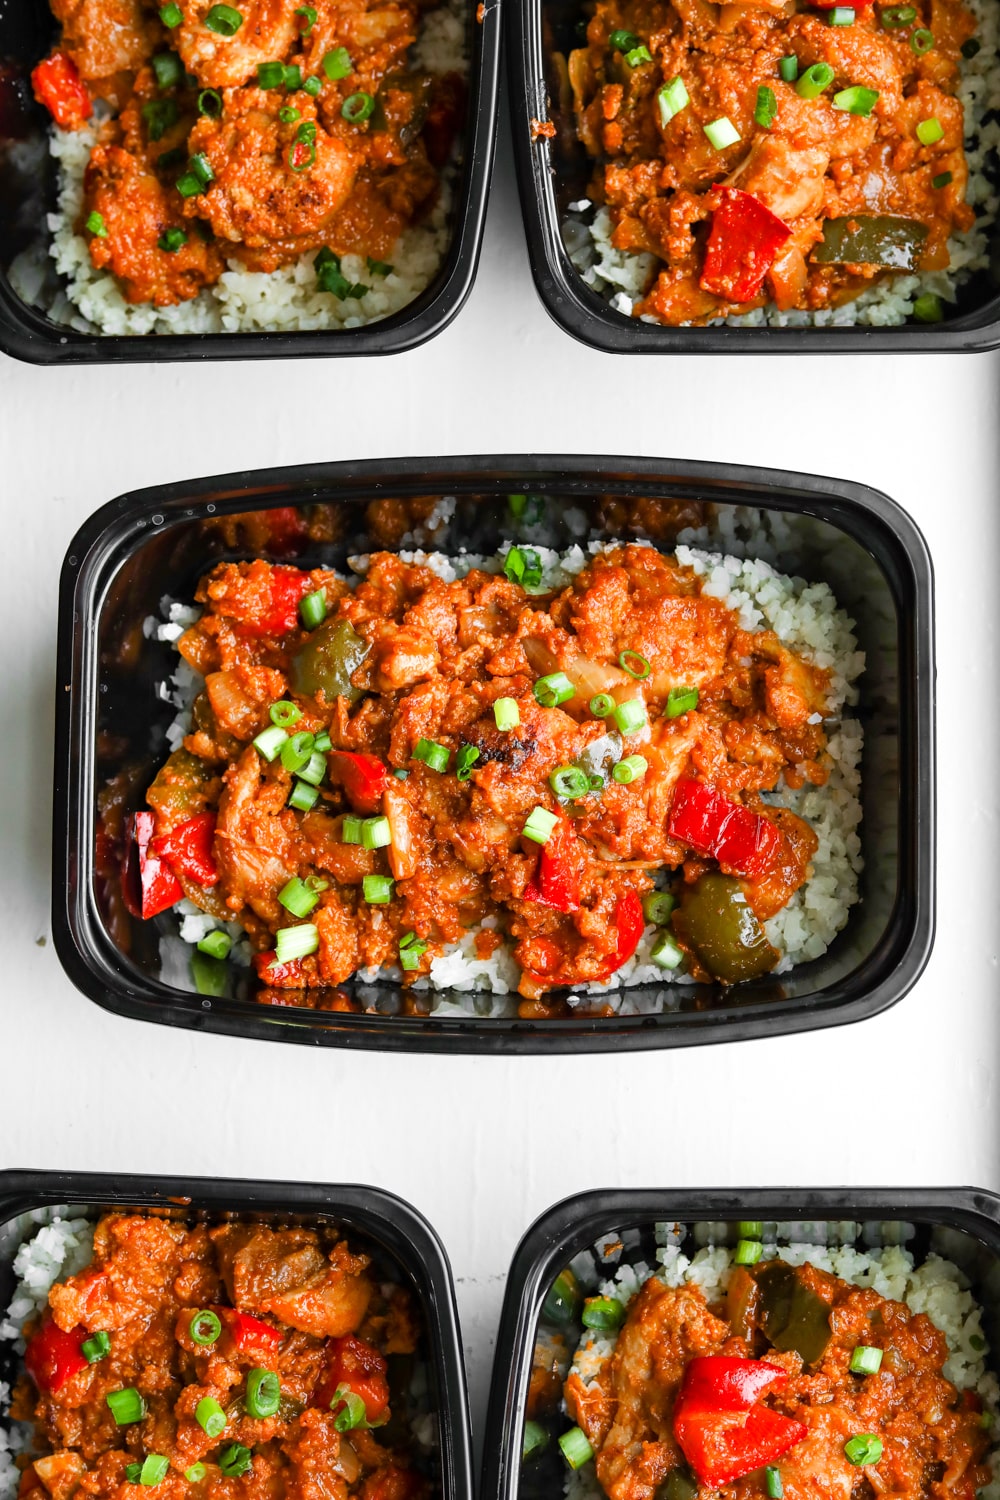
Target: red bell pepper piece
(285, 526)
(159, 885)
(57, 85)
(270, 972)
(556, 881)
(745, 238)
(352, 1362)
(630, 923)
(722, 1430)
(248, 1333)
(187, 849)
(53, 1356)
(742, 841)
(363, 777)
(289, 587)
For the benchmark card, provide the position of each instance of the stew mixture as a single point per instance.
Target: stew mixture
(373, 772)
(235, 1361)
(775, 151)
(799, 1384)
(258, 132)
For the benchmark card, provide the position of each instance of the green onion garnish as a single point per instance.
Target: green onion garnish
(635, 665)
(411, 950)
(576, 1450)
(297, 898)
(721, 133)
(630, 716)
(671, 99)
(977, 1342)
(681, 700)
(263, 1395)
(562, 1299)
(856, 100)
(293, 77)
(338, 64)
(375, 833)
(171, 240)
(154, 1469)
(465, 760)
(602, 1312)
(224, 20)
(126, 1406)
(401, 774)
(309, 16)
(208, 974)
(296, 750)
(312, 609)
(747, 1252)
(210, 1417)
(569, 782)
(216, 944)
(601, 705)
(814, 81)
(96, 225)
(296, 942)
(323, 743)
(270, 75)
(311, 87)
(863, 1449)
(350, 829)
(534, 1440)
(657, 906)
(284, 713)
(750, 1229)
(766, 107)
(210, 104)
(235, 1460)
(788, 68)
(553, 689)
(637, 56)
(921, 40)
(865, 1360)
(928, 308)
(971, 47)
(188, 185)
(432, 754)
(168, 69)
(314, 769)
(524, 566)
(171, 15)
(896, 16)
(930, 131)
(772, 1480)
(632, 768)
(270, 741)
(353, 1412)
(665, 953)
(205, 1327)
(377, 889)
(201, 168)
(158, 115)
(98, 1346)
(303, 797)
(506, 713)
(841, 15)
(195, 1474)
(941, 180)
(539, 825)
(623, 41)
(132, 1472)
(378, 267)
(357, 107)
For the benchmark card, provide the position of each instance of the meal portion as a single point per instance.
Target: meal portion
(786, 155)
(199, 1362)
(774, 1376)
(560, 775)
(256, 137)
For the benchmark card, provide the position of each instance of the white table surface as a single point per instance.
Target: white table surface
(481, 1145)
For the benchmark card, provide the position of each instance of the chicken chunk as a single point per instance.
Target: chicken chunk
(267, 32)
(104, 37)
(283, 1272)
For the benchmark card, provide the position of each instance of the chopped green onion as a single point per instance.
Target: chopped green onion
(788, 68)
(210, 104)
(630, 716)
(815, 81)
(432, 754)
(856, 100)
(158, 115)
(96, 225)
(377, 889)
(309, 16)
(841, 15)
(263, 1395)
(553, 689)
(632, 768)
(98, 1346)
(562, 1299)
(657, 906)
(539, 825)
(635, 665)
(569, 782)
(863, 1449)
(314, 769)
(205, 1327)
(168, 69)
(637, 56)
(312, 609)
(681, 701)
(304, 796)
(524, 566)
(270, 741)
(352, 1413)
(601, 705)
(357, 107)
(921, 40)
(296, 942)
(235, 1460)
(210, 1417)
(378, 267)
(317, 883)
(195, 1474)
(623, 41)
(284, 713)
(671, 99)
(597, 781)
(289, 114)
(208, 974)
(296, 750)
(323, 743)
(293, 77)
(216, 944)
(350, 829)
(750, 1229)
(126, 1406)
(865, 1360)
(977, 1342)
(154, 1469)
(297, 898)
(224, 20)
(270, 75)
(375, 833)
(465, 760)
(896, 16)
(411, 951)
(169, 160)
(171, 240)
(665, 953)
(311, 87)
(602, 1312)
(971, 47)
(201, 168)
(576, 1450)
(401, 774)
(171, 15)
(534, 1440)
(506, 713)
(721, 133)
(941, 180)
(928, 308)
(766, 107)
(772, 1481)
(986, 1419)
(747, 1252)
(930, 131)
(189, 186)
(132, 1472)
(337, 64)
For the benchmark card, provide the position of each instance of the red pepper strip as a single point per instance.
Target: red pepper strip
(352, 1362)
(722, 1431)
(556, 881)
(158, 883)
(52, 1356)
(288, 587)
(188, 849)
(272, 973)
(249, 1333)
(285, 526)
(744, 842)
(363, 777)
(57, 85)
(630, 923)
(746, 236)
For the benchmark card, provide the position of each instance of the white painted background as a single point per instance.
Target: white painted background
(482, 1146)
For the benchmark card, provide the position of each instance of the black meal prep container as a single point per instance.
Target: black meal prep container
(28, 193)
(157, 542)
(960, 1224)
(552, 173)
(402, 1245)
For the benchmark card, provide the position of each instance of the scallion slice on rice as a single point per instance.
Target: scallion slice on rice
(296, 942)
(747, 1252)
(534, 1440)
(576, 1449)
(665, 953)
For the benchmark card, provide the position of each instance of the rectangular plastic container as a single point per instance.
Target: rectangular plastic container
(553, 173)
(401, 1243)
(158, 542)
(28, 193)
(960, 1224)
